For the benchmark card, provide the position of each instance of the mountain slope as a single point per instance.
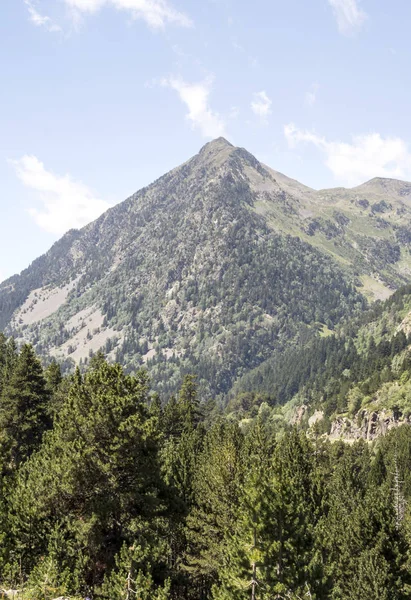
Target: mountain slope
(212, 268)
(353, 384)
(366, 229)
(184, 275)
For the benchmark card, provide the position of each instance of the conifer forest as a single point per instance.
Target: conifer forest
(108, 492)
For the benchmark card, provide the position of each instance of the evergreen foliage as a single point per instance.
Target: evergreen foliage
(23, 406)
(338, 373)
(121, 496)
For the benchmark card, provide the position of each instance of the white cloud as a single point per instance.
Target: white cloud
(350, 17)
(66, 203)
(195, 96)
(156, 13)
(367, 156)
(41, 20)
(261, 105)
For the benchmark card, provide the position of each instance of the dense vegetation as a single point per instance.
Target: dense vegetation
(107, 491)
(367, 356)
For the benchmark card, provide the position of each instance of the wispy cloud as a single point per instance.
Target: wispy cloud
(156, 13)
(234, 112)
(366, 156)
(39, 19)
(349, 16)
(238, 47)
(66, 203)
(310, 98)
(261, 105)
(311, 95)
(196, 98)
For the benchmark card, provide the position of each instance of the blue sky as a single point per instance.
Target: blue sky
(100, 97)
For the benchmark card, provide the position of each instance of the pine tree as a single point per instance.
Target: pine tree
(183, 435)
(23, 409)
(188, 402)
(271, 552)
(360, 528)
(97, 473)
(132, 578)
(217, 488)
(53, 376)
(245, 570)
(372, 578)
(57, 387)
(293, 514)
(9, 360)
(3, 350)
(171, 424)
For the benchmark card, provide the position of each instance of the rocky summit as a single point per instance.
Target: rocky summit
(212, 269)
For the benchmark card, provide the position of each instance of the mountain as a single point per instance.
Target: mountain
(366, 229)
(355, 383)
(214, 268)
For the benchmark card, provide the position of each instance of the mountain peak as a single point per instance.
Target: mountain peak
(386, 185)
(218, 151)
(216, 144)
(215, 152)
(380, 181)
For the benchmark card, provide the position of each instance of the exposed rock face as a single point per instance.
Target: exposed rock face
(317, 416)
(299, 414)
(367, 425)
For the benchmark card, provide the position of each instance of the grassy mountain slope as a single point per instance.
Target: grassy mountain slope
(366, 229)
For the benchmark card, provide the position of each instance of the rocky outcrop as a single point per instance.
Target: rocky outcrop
(299, 414)
(367, 425)
(317, 416)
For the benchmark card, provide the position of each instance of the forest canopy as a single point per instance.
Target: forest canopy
(109, 492)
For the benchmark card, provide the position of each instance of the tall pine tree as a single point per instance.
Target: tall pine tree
(23, 407)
